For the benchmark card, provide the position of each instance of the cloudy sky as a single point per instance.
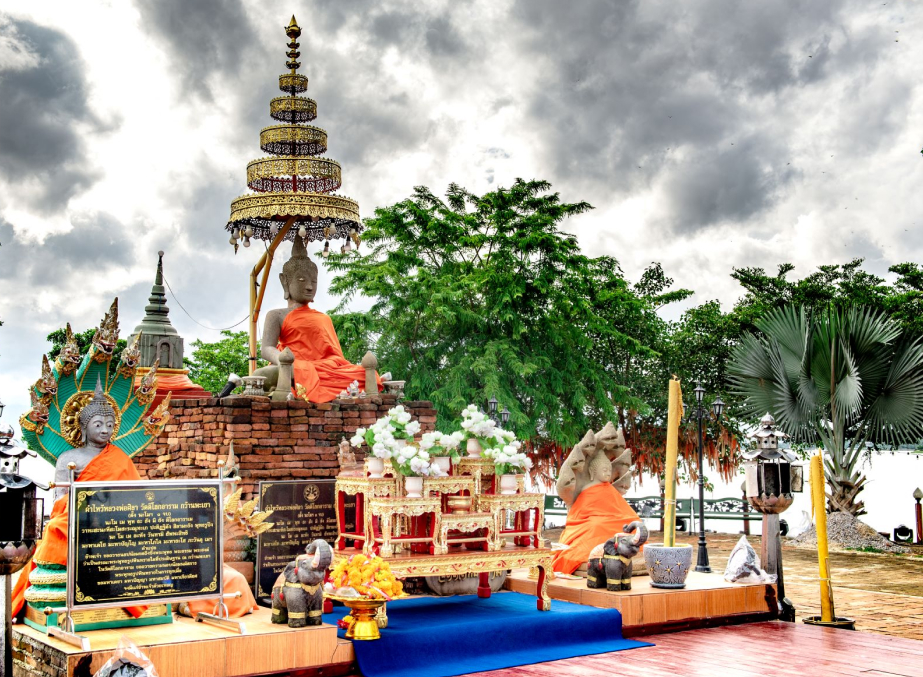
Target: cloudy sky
(707, 134)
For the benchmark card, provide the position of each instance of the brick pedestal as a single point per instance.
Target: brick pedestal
(272, 440)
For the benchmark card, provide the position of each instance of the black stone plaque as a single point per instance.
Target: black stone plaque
(303, 511)
(135, 543)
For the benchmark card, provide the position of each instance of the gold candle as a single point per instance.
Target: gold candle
(818, 506)
(674, 414)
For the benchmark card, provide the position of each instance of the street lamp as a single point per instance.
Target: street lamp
(505, 415)
(700, 415)
(492, 408)
(772, 476)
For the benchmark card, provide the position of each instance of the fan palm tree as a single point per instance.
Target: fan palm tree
(838, 378)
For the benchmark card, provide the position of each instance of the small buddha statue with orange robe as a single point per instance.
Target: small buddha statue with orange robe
(596, 509)
(303, 339)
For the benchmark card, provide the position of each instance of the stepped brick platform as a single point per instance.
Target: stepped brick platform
(272, 440)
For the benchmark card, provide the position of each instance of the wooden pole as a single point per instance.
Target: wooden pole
(257, 291)
(674, 414)
(818, 505)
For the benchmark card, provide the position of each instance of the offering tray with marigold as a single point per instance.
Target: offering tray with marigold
(367, 615)
(475, 561)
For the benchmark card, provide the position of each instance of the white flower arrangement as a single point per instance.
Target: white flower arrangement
(441, 444)
(382, 436)
(476, 424)
(412, 461)
(382, 439)
(508, 458)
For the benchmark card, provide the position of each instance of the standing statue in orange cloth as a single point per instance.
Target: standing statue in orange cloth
(596, 510)
(303, 339)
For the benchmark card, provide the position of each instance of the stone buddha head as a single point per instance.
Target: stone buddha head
(97, 420)
(299, 275)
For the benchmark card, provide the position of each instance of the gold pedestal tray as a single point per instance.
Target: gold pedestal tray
(365, 617)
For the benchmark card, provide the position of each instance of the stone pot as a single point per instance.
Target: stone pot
(444, 463)
(668, 566)
(474, 447)
(413, 486)
(375, 465)
(508, 484)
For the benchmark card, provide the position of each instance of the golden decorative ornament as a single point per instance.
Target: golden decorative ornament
(308, 205)
(308, 174)
(69, 358)
(292, 109)
(293, 140)
(155, 421)
(70, 416)
(107, 334)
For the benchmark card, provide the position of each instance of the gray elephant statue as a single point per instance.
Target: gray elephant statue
(609, 565)
(298, 594)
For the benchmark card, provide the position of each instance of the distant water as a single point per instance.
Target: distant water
(888, 494)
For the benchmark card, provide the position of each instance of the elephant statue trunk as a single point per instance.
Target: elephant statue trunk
(609, 565)
(298, 594)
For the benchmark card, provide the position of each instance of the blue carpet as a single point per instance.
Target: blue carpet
(443, 636)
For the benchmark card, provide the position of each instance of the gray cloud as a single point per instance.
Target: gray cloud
(95, 244)
(628, 87)
(210, 42)
(45, 114)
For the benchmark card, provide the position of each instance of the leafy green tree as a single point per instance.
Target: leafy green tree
(481, 296)
(84, 340)
(841, 286)
(841, 378)
(211, 363)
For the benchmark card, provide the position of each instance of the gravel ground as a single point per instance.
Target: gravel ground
(845, 531)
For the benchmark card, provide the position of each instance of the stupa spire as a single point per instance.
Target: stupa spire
(156, 313)
(159, 339)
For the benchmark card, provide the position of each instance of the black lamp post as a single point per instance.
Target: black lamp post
(502, 417)
(700, 415)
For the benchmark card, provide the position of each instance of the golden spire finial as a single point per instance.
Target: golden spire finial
(293, 31)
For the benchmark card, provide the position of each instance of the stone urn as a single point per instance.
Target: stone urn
(444, 463)
(668, 566)
(474, 447)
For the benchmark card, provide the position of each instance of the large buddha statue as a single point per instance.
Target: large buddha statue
(303, 340)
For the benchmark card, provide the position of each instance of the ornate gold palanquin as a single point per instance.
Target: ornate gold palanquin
(387, 515)
(527, 512)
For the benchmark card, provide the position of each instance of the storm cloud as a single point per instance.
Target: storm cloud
(44, 116)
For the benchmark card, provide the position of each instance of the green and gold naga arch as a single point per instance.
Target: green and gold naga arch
(52, 425)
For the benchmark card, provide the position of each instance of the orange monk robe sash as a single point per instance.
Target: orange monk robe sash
(319, 363)
(234, 582)
(597, 515)
(111, 464)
